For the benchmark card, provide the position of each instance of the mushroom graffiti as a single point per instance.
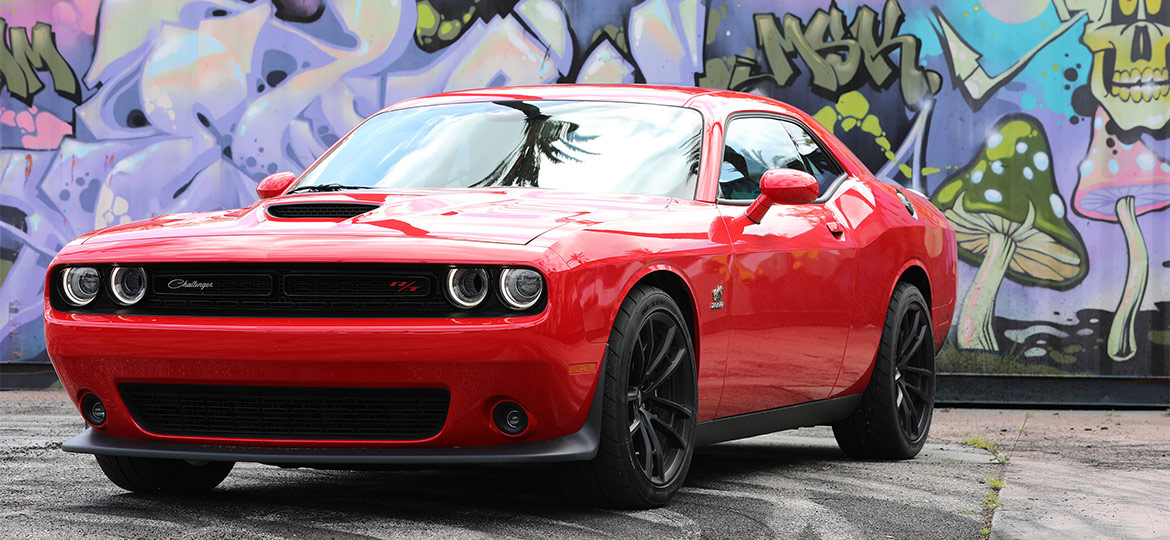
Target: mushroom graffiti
(1118, 183)
(1009, 220)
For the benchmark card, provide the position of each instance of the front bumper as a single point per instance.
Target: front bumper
(579, 446)
(541, 362)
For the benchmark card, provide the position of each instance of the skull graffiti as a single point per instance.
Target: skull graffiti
(1129, 76)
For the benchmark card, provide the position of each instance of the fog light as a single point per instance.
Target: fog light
(93, 410)
(510, 418)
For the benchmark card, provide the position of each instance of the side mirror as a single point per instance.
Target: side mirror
(275, 184)
(784, 186)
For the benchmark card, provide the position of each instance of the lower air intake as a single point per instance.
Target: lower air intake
(278, 412)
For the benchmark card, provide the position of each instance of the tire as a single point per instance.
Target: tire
(893, 419)
(650, 403)
(166, 476)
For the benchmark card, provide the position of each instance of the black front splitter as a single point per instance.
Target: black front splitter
(576, 447)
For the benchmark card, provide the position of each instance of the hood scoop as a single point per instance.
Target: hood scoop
(319, 210)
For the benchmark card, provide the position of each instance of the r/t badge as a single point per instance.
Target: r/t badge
(717, 297)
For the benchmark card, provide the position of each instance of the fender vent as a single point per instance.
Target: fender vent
(909, 205)
(319, 210)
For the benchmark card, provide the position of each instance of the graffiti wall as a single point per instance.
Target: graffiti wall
(1039, 127)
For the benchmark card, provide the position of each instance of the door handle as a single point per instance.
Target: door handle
(834, 227)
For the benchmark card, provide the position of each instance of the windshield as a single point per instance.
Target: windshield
(568, 145)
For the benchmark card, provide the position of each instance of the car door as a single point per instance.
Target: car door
(792, 274)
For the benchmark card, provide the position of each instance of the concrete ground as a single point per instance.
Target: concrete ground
(1075, 474)
(1058, 482)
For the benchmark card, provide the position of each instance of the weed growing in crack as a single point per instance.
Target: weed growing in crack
(1018, 435)
(979, 441)
(983, 443)
(991, 501)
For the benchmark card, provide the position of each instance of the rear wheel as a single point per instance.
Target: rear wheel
(170, 476)
(650, 400)
(893, 418)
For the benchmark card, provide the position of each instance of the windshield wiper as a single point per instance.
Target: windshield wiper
(327, 187)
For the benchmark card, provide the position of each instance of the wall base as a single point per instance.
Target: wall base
(1045, 391)
(27, 376)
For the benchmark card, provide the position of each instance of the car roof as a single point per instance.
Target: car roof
(663, 95)
(679, 96)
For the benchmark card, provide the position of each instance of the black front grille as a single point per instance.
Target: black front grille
(319, 210)
(209, 284)
(305, 290)
(358, 285)
(321, 290)
(277, 412)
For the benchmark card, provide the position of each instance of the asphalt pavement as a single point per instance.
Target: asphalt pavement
(794, 484)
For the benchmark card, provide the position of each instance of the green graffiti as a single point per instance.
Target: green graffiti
(852, 112)
(437, 28)
(731, 72)
(953, 360)
(1011, 221)
(20, 60)
(842, 57)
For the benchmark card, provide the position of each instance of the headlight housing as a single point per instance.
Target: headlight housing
(521, 287)
(128, 284)
(467, 287)
(81, 284)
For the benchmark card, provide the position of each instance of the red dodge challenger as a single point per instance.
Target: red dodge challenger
(604, 276)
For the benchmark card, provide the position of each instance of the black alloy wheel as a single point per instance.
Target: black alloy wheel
(660, 424)
(892, 420)
(649, 408)
(914, 373)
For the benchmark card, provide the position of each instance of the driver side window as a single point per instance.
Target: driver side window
(751, 147)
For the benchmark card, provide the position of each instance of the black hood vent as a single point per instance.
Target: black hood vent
(319, 210)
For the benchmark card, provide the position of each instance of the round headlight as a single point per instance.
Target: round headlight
(521, 287)
(467, 287)
(128, 283)
(81, 284)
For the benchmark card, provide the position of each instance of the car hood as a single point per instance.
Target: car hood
(507, 216)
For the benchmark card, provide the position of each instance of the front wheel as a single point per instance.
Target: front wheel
(650, 402)
(169, 476)
(893, 418)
